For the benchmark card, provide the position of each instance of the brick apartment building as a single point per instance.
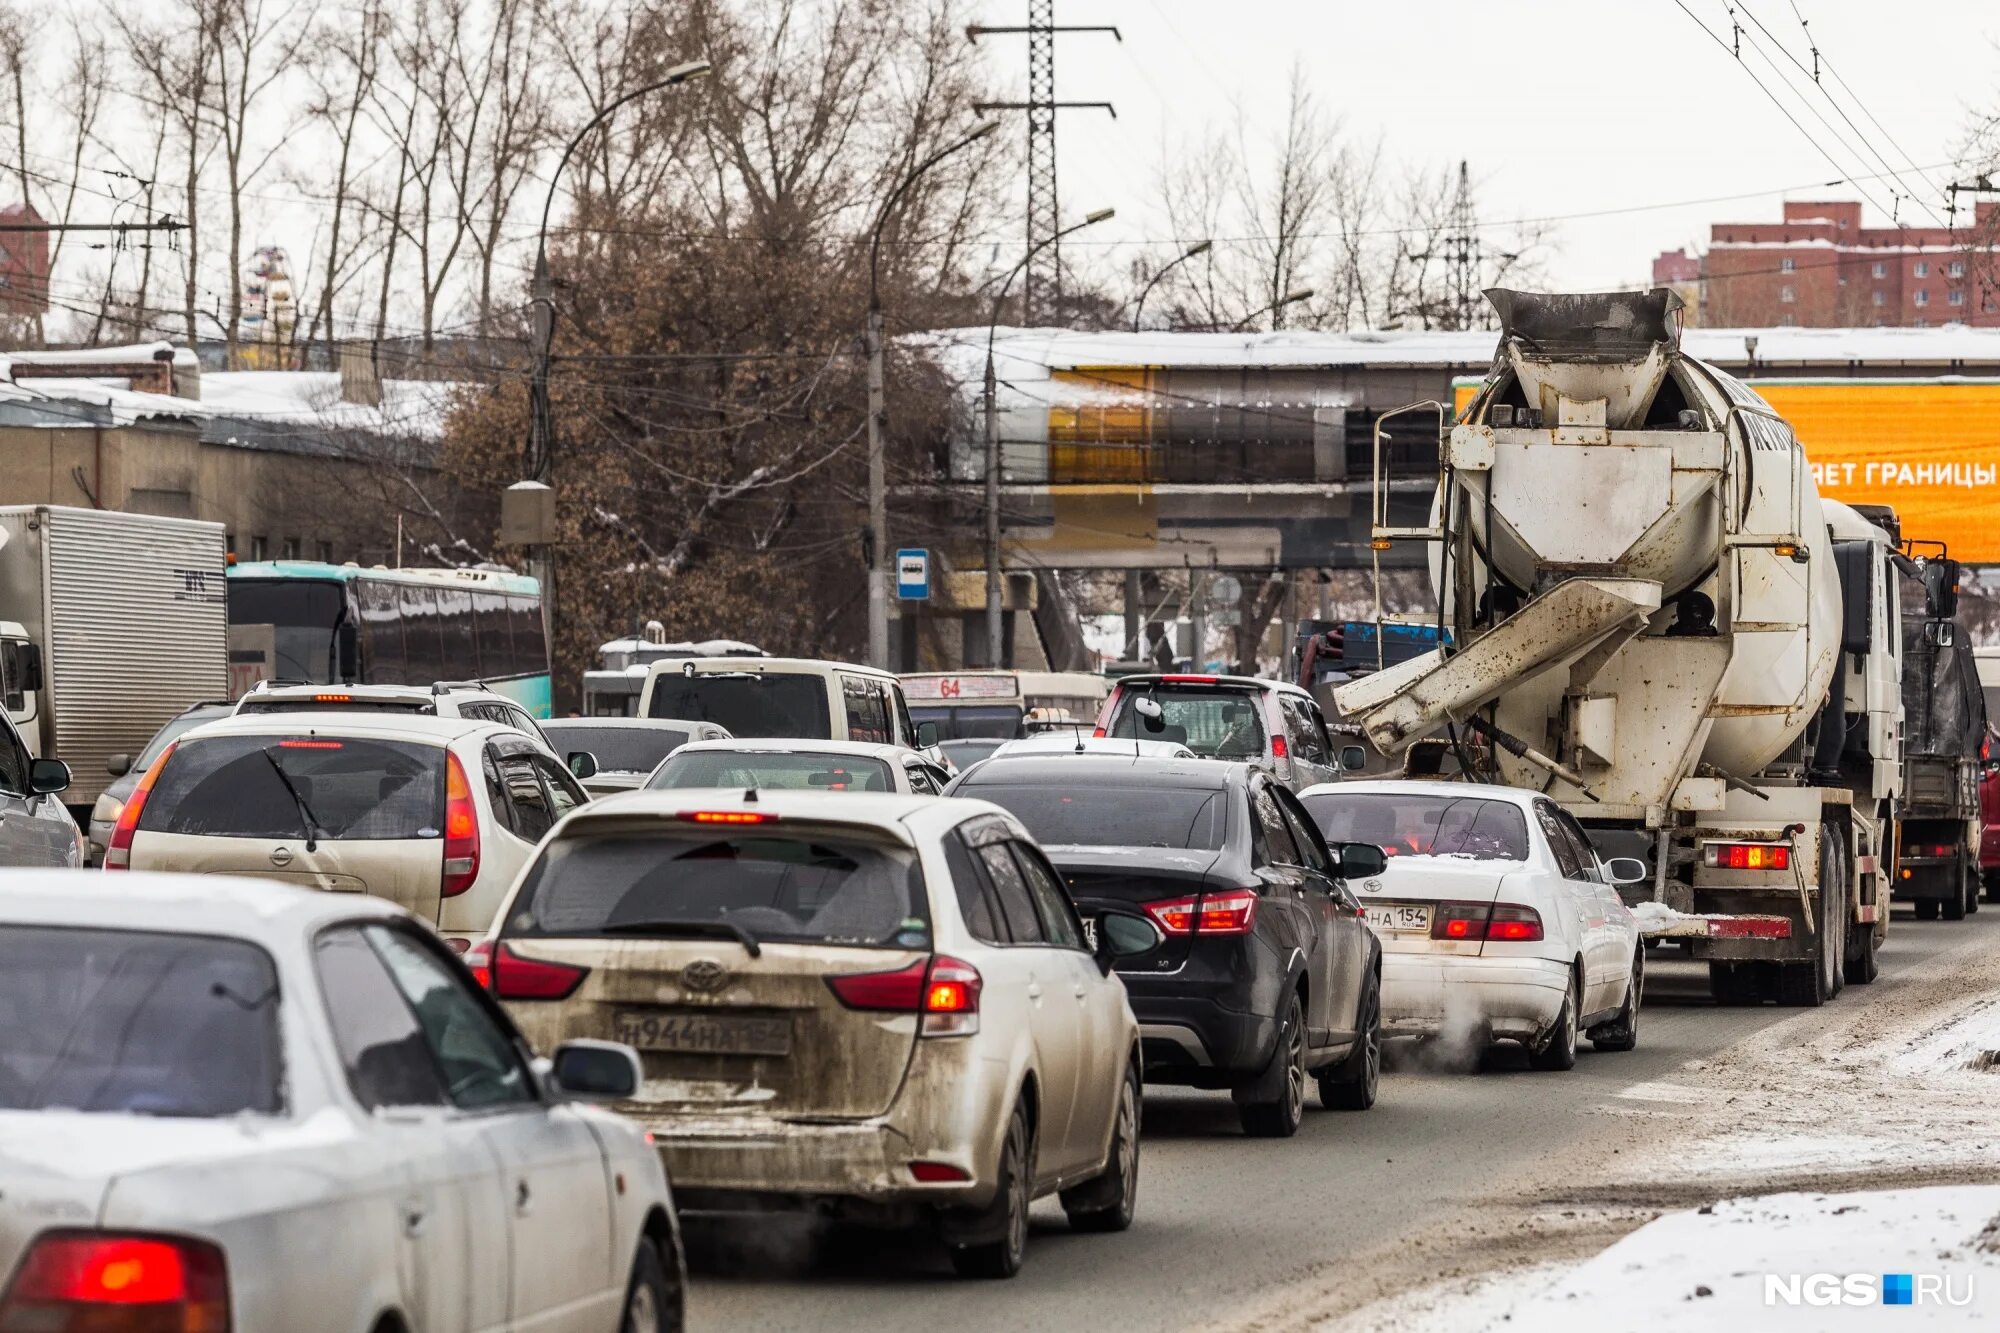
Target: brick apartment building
(1821, 268)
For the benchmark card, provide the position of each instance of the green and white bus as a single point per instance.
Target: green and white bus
(328, 624)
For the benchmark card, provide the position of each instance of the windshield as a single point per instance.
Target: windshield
(302, 614)
(1111, 816)
(635, 749)
(805, 889)
(1215, 724)
(983, 722)
(168, 734)
(747, 705)
(143, 1022)
(1424, 825)
(230, 787)
(749, 768)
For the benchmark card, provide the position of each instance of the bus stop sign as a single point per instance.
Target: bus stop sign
(913, 574)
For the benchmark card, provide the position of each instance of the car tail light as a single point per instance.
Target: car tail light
(461, 830)
(513, 977)
(1231, 912)
(938, 1173)
(945, 990)
(312, 745)
(118, 855)
(479, 961)
(1748, 855)
(1499, 922)
(333, 698)
(1189, 680)
(726, 817)
(1278, 747)
(103, 1282)
(1097, 733)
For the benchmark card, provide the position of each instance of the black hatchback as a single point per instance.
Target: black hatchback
(1266, 975)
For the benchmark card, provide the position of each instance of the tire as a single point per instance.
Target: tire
(1927, 909)
(1351, 1085)
(1953, 908)
(1992, 882)
(1108, 1202)
(1862, 965)
(1833, 907)
(1558, 1050)
(1622, 1032)
(1971, 890)
(1281, 1089)
(654, 1301)
(1001, 1257)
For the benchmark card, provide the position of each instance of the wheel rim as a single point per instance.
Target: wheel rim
(1295, 1065)
(1018, 1188)
(1128, 1149)
(1371, 1064)
(1569, 1015)
(642, 1312)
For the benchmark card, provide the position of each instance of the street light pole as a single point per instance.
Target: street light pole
(1289, 298)
(878, 484)
(994, 637)
(1139, 306)
(540, 462)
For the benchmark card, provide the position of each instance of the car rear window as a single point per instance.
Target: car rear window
(737, 768)
(1114, 816)
(806, 888)
(617, 749)
(141, 1022)
(1423, 825)
(1215, 723)
(747, 703)
(235, 787)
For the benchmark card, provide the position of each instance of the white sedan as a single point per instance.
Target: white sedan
(1496, 917)
(242, 1105)
(851, 766)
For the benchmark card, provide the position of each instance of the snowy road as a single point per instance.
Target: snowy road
(1450, 1174)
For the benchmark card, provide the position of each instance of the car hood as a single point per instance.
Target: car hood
(1190, 862)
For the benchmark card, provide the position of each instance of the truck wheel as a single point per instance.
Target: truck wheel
(1971, 878)
(1953, 908)
(1992, 878)
(1927, 909)
(1861, 965)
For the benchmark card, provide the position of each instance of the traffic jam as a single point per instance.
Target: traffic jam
(367, 994)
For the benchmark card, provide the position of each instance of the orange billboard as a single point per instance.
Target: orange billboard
(1929, 448)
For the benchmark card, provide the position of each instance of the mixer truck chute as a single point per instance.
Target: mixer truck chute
(1653, 620)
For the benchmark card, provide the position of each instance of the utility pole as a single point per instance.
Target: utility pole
(1041, 294)
(1461, 248)
(1983, 266)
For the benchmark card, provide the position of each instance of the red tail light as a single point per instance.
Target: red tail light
(461, 830)
(1232, 912)
(479, 961)
(945, 990)
(118, 855)
(1748, 855)
(1278, 747)
(1501, 922)
(938, 1173)
(1097, 733)
(512, 977)
(86, 1280)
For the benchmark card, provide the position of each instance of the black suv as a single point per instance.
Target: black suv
(1267, 974)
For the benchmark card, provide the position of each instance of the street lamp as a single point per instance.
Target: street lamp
(1198, 248)
(878, 486)
(993, 634)
(541, 430)
(1289, 298)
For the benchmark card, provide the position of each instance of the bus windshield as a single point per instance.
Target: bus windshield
(302, 614)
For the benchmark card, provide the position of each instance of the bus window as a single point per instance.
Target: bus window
(302, 614)
(496, 652)
(422, 639)
(461, 648)
(381, 610)
(531, 649)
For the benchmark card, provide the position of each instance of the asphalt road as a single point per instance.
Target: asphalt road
(1224, 1221)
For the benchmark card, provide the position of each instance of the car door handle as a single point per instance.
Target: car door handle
(1034, 990)
(413, 1219)
(1080, 991)
(523, 1198)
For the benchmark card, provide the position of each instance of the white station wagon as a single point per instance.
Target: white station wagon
(1497, 919)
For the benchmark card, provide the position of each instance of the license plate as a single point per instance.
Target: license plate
(706, 1034)
(1400, 918)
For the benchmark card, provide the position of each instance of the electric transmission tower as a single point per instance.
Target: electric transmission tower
(1461, 255)
(1041, 291)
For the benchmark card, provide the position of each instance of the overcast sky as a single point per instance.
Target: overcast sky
(1560, 106)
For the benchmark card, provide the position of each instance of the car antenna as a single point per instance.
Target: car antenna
(749, 796)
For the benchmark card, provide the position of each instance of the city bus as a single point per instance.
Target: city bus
(1000, 705)
(341, 624)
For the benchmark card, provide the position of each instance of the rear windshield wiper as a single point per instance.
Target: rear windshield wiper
(721, 930)
(298, 799)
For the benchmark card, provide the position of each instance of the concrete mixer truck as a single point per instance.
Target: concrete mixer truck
(1647, 612)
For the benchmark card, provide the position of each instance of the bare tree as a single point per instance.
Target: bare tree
(344, 61)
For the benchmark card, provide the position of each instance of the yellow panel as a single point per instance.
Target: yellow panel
(1109, 441)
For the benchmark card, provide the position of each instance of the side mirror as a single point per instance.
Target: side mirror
(927, 735)
(1361, 860)
(1627, 870)
(582, 764)
(596, 1071)
(118, 765)
(1122, 935)
(46, 777)
(1353, 758)
(1941, 590)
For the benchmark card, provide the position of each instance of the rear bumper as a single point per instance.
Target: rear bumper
(1930, 879)
(1214, 1019)
(1425, 995)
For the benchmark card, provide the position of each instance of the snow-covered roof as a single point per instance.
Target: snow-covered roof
(312, 397)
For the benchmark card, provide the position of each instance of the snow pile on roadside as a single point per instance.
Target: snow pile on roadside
(1969, 1044)
(1706, 1269)
(1654, 918)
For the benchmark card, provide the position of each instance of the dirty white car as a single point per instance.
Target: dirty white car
(875, 1007)
(231, 1104)
(1497, 920)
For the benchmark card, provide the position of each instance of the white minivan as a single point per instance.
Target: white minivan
(786, 698)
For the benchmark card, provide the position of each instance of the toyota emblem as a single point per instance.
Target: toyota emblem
(1372, 885)
(281, 856)
(704, 974)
